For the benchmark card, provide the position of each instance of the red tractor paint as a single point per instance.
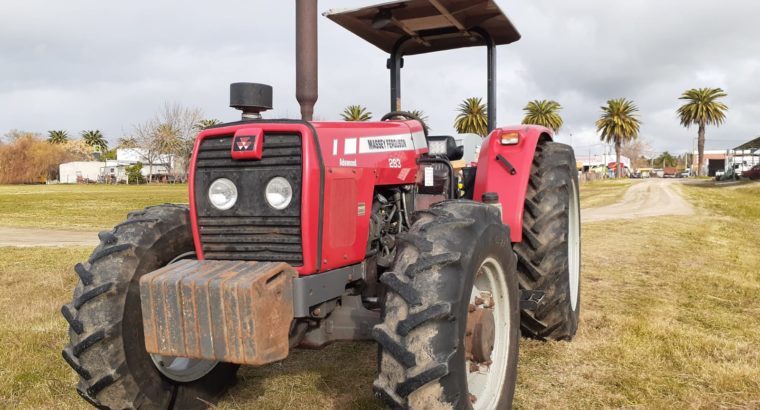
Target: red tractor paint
(494, 176)
(310, 194)
(352, 159)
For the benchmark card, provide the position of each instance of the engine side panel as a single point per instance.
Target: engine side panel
(358, 157)
(494, 176)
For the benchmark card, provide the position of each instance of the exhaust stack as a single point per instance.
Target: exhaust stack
(306, 57)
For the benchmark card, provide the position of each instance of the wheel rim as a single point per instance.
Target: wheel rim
(574, 246)
(182, 369)
(485, 380)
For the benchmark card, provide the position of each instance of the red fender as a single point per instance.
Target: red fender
(495, 176)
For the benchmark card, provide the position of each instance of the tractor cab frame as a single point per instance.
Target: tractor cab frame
(405, 28)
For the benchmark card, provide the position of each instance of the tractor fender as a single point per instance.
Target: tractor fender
(505, 169)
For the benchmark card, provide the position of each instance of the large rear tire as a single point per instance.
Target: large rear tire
(450, 331)
(549, 254)
(107, 348)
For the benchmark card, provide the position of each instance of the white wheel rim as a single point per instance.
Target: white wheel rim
(182, 369)
(485, 384)
(574, 246)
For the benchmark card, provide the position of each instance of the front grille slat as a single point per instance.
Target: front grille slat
(251, 234)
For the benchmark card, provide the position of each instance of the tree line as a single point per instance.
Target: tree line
(619, 123)
(29, 157)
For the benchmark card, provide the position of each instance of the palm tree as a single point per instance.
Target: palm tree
(207, 123)
(58, 136)
(472, 117)
(423, 117)
(356, 113)
(95, 139)
(127, 142)
(618, 124)
(543, 113)
(702, 109)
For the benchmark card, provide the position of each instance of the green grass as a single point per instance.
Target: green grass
(603, 192)
(34, 282)
(99, 207)
(80, 207)
(670, 316)
(669, 320)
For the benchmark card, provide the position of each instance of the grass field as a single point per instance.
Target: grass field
(80, 207)
(670, 320)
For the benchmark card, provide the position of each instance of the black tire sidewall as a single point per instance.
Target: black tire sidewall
(459, 372)
(150, 380)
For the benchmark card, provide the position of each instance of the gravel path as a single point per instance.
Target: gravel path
(651, 197)
(26, 237)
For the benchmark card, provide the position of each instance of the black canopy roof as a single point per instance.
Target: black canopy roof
(435, 25)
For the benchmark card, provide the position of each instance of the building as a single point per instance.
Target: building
(115, 171)
(80, 172)
(741, 158)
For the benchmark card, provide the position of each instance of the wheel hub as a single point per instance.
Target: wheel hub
(480, 335)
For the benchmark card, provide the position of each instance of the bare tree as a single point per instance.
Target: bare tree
(636, 150)
(171, 132)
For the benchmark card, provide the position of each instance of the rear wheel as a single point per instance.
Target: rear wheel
(107, 347)
(450, 332)
(549, 254)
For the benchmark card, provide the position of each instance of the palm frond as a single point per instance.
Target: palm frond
(356, 113)
(472, 117)
(544, 113)
(702, 107)
(619, 122)
(58, 136)
(95, 139)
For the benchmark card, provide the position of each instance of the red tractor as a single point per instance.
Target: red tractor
(302, 233)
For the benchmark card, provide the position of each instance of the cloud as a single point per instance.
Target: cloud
(84, 64)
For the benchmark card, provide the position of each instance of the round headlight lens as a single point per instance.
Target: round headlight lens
(222, 194)
(279, 193)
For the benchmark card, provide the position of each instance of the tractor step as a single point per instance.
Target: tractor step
(230, 311)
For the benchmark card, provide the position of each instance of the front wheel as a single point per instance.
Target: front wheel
(450, 331)
(107, 348)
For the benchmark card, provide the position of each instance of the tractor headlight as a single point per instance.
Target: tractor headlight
(222, 194)
(279, 193)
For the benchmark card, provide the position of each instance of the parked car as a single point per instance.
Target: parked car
(753, 173)
(684, 174)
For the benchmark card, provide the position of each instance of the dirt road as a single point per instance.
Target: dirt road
(26, 237)
(651, 197)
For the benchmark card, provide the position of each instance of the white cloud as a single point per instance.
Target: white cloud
(85, 64)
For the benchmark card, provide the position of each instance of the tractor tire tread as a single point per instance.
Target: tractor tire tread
(423, 288)
(542, 255)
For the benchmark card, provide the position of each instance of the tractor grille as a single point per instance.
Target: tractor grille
(251, 230)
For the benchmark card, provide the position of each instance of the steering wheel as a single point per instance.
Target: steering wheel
(408, 116)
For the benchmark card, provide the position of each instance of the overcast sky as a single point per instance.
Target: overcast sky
(87, 64)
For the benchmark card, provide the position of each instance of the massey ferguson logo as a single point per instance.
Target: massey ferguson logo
(247, 144)
(243, 144)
